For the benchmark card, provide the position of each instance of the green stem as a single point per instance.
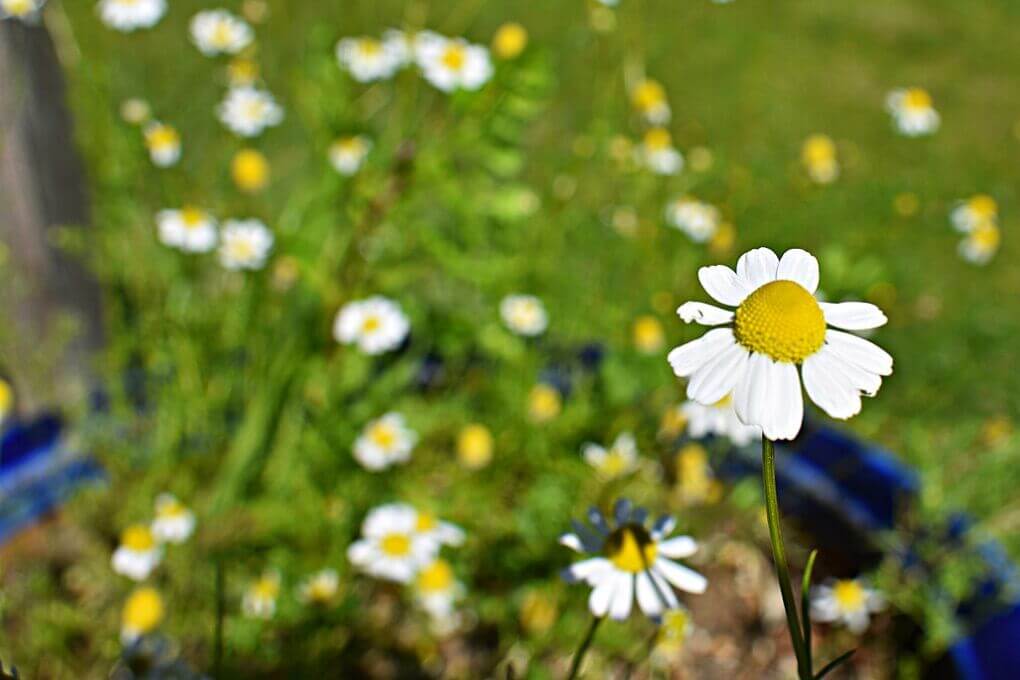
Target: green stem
(220, 613)
(583, 648)
(768, 473)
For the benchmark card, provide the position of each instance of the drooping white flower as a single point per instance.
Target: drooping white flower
(247, 111)
(164, 144)
(138, 553)
(371, 59)
(347, 154)
(217, 31)
(384, 442)
(718, 419)
(375, 325)
(912, 111)
(620, 459)
(700, 221)
(657, 153)
(190, 229)
(454, 64)
(391, 547)
(174, 522)
(974, 212)
(245, 244)
(130, 15)
(259, 600)
(524, 315)
(846, 601)
(754, 353)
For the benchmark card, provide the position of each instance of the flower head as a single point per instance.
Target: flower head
(245, 244)
(190, 229)
(142, 613)
(509, 41)
(657, 152)
(320, 588)
(454, 64)
(248, 111)
(474, 446)
(649, 99)
(718, 419)
(544, 402)
(384, 442)
(174, 522)
(754, 353)
(975, 212)
(129, 15)
(259, 601)
(649, 336)
(164, 144)
(436, 588)
(370, 59)
(135, 111)
(846, 601)
(819, 157)
(138, 553)
(25, 10)
(391, 546)
(347, 154)
(524, 314)
(376, 325)
(250, 170)
(912, 111)
(620, 459)
(217, 31)
(698, 220)
(981, 244)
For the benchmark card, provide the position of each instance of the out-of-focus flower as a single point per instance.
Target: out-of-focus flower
(250, 170)
(370, 59)
(981, 245)
(912, 111)
(754, 353)
(376, 325)
(454, 64)
(974, 212)
(906, 204)
(719, 420)
(174, 522)
(701, 159)
(245, 244)
(255, 11)
(676, 626)
(544, 403)
(696, 219)
(384, 442)
(25, 10)
(320, 588)
(819, 157)
(164, 144)
(6, 399)
(190, 229)
(673, 422)
(996, 430)
(846, 601)
(217, 31)
(723, 241)
(509, 41)
(142, 613)
(435, 529)
(135, 111)
(474, 446)
(696, 484)
(538, 612)
(247, 111)
(632, 560)
(437, 589)
(259, 601)
(649, 99)
(649, 337)
(347, 154)
(130, 15)
(138, 553)
(620, 459)
(524, 315)
(242, 72)
(657, 152)
(391, 547)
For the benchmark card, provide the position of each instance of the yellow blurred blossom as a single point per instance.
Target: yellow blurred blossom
(544, 403)
(723, 240)
(819, 157)
(142, 613)
(981, 245)
(6, 399)
(649, 99)
(135, 111)
(649, 337)
(510, 40)
(695, 482)
(673, 422)
(538, 612)
(474, 446)
(250, 170)
(242, 72)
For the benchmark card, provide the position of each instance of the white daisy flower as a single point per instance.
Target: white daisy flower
(130, 15)
(247, 111)
(819, 158)
(657, 152)
(981, 245)
(375, 324)
(700, 221)
(245, 244)
(454, 64)
(217, 31)
(974, 212)
(423, 45)
(370, 59)
(391, 548)
(190, 229)
(25, 10)
(320, 588)
(347, 154)
(435, 529)
(174, 522)
(632, 561)
(845, 601)
(649, 99)
(259, 600)
(437, 589)
(621, 458)
(779, 326)
(524, 315)
(384, 442)
(719, 419)
(138, 553)
(912, 111)
(164, 144)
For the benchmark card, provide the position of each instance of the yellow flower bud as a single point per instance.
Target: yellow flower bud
(250, 170)
(474, 446)
(509, 41)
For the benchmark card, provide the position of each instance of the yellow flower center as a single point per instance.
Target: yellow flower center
(266, 588)
(221, 36)
(162, 137)
(724, 402)
(509, 41)
(849, 595)
(648, 334)
(631, 548)
(658, 139)
(242, 71)
(18, 8)
(241, 249)
(983, 207)
(370, 324)
(474, 446)
(986, 236)
(426, 522)
(138, 538)
(383, 436)
(615, 463)
(648, 95)
(395, 545)
(171, 508)
(349, 145)
(819, 149)
(369, 47)
(254, 109)
(454, 57)
(6, 397)
(435, 578)
(781, 320)
(250, 170)
(143, 611)
(917, 99)
(544, 403)
(192, 217)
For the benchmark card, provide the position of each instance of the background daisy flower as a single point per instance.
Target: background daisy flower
(696, 483)
(384, 442)
(130, 15)
(347, 154)
(981, 244)
(657, 152)
(376, 325)
(912, 111)
(244, 244)
(164, 144)
(217, 31)
(718, 419)
(974, 212)
(437, 589)
(524, 315)
(174, 523)
(819, 158)
(20, 9)
(454, 64)
(648, 334)
(620, 459)
(435, 529)
(649, 99)
(370, 59)
(474, 446)
(698, 220)
(190, 229)
(142, 613)
(754, 353)
(845, 601)
(138, 553)
(247, 111)
(320, 588)
(509, 40)
(544, 403)
(391, 547)
(250, 170)
(259, 600)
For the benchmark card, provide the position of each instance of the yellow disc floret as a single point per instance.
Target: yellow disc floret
(435, 578)
(781, 320)
(849, 595)
(143, 611)
(631, 549)
(138, 538)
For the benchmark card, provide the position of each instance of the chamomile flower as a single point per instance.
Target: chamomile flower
(846, 601)
(320, 588)
(454, 64)
(142, 613)
(244, 244)
(544, 403)
(435, 529)
(620, 459)
(719, 420)
(164, 144)
(649, 336)
(217, 31)
(370, 59)
(250, 170)
(981, 245)
(697, 219)
(391, 547)
(437, 589)
(974, 212)
(247, 111)
(347, 154)
(384, 442)
(649, 100)
(524, 315)
(135, 111)
(25, 10)
(138, 553)
(174, 522)
(259, 600)
(474, 446)
(912, 111)
(190, 229)
(819, 158)
(754, 353)
(509, 41)
(130, 15)
(375, 325)
(631, 560)
(657, 152)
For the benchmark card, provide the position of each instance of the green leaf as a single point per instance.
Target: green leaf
(834, 664)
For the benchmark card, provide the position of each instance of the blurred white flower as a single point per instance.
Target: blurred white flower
(719, 419)
(217, 31)
(138, 553)
(433, 528)
(657, 153)
(981, 244)
(174, 522)
(370, 59)
(974, 212)
(164, 144)
(390, 547)
(912, 111)
(524, 314)
(320, 588)
(819, 158)
(190, 229)
(384, 442)
(846, 601)
(437, 589)
(649, 99)
(454, 64)
(347, 154)
(259, 601)
(375, 324)
(129, 15)
(700, 221)
(248, 111)
(245, 244)
(620, 459)
(24, 10)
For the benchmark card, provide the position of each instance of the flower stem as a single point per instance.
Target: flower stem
(575, 666)
(768, 473)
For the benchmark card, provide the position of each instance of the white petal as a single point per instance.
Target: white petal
(785, 405)
(800, 266)
(647, 598)
(663, 590)
(572, 541)
(758, 267)
(623, 598)
(680, 576)
(689, 357)
(853, 316)
(602, 595)
(857, 621)
(717, 378)
(591, 570)
(678, 547)
(828, 388)
(859, 352)
(706, 315)
(724, 285)
(751, 392)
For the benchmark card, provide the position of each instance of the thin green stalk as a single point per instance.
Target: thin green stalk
(220, 613)
(575, 666)
(768, 473)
